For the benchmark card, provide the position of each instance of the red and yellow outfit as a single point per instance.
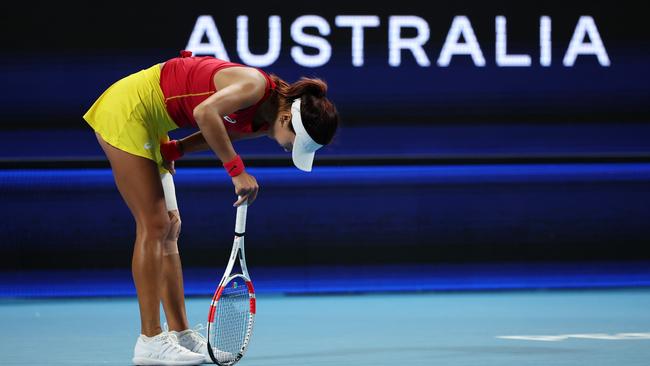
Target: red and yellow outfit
(136, 113)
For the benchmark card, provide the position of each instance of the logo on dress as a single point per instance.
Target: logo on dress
(228, 119)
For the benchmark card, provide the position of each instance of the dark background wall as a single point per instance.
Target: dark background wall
(456, 164)
(56, 61)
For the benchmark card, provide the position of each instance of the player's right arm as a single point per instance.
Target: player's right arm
(230, 98)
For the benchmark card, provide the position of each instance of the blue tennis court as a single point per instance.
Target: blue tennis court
(480, 193)
(590, 327)
(500, 314)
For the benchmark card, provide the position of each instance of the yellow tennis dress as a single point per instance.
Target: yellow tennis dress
(131, 115)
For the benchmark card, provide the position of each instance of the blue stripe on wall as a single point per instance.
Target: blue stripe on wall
(587, 206)
(340, 279)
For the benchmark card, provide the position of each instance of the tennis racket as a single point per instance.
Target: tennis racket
(232, 311)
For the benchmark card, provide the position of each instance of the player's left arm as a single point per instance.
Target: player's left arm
(193, 143)
(196, 142)
(172, 150)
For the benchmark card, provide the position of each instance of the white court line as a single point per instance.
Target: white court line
(564, 337)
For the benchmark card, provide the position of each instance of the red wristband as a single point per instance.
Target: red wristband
(171, 150)
(234, 167)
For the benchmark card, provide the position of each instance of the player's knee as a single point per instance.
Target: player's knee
(156, 228)
(170, 245)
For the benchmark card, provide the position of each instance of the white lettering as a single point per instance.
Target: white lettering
(357, 22)
(586, 26)
(312, 48)
(502, 56)
(545, 41)
(396, 43)
(324, 48)
(205, 26)
(461, 26)
(275, 37)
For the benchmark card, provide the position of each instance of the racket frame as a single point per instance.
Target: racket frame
(236, 253)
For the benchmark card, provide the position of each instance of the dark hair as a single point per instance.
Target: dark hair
(319, 115)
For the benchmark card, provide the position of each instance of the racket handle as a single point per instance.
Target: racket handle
(240, 222)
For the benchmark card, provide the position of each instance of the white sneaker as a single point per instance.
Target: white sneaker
(163, 349)
(194, 341)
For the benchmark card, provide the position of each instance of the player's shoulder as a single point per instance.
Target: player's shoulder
(247, 73)
(249, 77)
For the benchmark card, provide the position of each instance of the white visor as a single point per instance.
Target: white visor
(304, 147)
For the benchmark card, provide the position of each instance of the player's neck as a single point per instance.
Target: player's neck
(267, 111)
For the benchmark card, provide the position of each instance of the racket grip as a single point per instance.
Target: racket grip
(240, 222)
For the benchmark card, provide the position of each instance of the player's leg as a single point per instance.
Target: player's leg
(138, 182)
(173, 296)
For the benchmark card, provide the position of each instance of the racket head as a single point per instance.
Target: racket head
(231, 319)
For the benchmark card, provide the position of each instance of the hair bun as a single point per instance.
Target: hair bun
(315, 87)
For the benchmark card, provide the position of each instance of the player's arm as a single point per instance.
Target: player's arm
(227, 100)
(243, 93)
(196, 142)
(193, 143)
(172, 150)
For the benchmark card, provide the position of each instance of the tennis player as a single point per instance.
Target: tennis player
(227, 102)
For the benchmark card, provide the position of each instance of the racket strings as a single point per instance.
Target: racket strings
(232, 322)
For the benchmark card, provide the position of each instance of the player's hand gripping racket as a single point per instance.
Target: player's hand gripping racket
(232, 311)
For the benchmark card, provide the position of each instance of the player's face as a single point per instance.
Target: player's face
(282, 132)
